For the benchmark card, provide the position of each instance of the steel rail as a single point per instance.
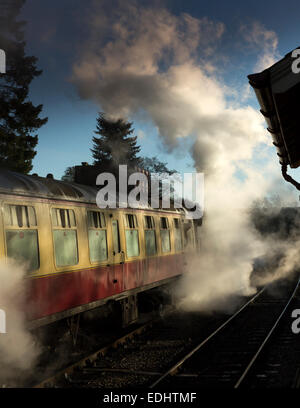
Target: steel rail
(199, 346)
(64, 373)
(246, 371)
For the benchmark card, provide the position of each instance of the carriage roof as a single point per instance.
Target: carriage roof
(44, 187)
(49, 188)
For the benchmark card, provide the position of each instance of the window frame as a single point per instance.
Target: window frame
(179, 227)
(118, 237)
(131, 221)
(189, 245)
(153, 228)
(7, 227)
(55, 228)
(135, 227)
(168, 228)
(104, 228)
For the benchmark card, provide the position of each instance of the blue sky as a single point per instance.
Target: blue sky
(56, 32)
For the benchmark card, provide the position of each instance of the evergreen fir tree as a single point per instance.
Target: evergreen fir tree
(19, 118)
(115, 146)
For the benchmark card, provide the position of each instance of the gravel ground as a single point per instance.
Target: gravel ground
(153, 351)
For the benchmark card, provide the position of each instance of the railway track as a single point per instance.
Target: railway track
(126, 359)
(237, 353)
(63, 375)
(199, 351)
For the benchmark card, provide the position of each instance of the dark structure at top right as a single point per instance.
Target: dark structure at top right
(278, 92)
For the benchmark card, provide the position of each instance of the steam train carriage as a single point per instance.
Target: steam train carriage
(79, 257)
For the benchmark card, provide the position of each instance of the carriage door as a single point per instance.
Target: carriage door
(118, 255)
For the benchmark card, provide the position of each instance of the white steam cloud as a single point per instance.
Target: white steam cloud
(265, 41)
(149, 65)
(18, 350)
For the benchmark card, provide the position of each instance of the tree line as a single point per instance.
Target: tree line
(19, 117)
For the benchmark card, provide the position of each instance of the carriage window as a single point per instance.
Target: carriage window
(149, 222)
(116, 236)
(177, 235)
(97, 236)
(150, 239)
(131, 235)
(19, 216)
(131, 221)
(64, 236)
(96, 219)
(165, 235)
(188, 235)
(164, 223)
(63, 218)
(21, 235)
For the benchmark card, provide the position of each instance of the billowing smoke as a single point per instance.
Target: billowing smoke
(265, 42)
(18, 350)
(148, 67)
(279, 227)
(147, 63)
